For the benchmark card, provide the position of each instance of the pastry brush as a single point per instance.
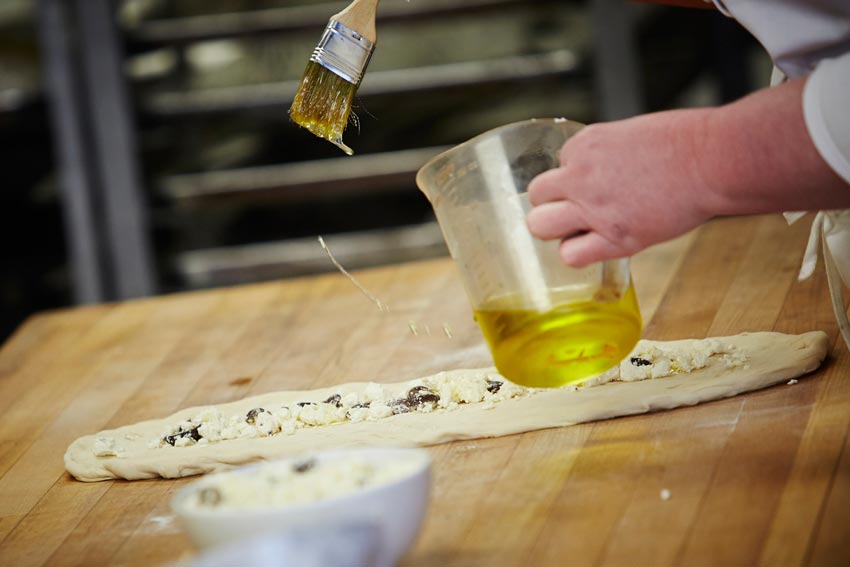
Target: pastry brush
(322, 103)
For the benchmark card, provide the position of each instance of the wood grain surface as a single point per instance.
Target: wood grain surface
(759, 479)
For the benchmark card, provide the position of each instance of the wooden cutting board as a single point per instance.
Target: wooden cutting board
(762, 478)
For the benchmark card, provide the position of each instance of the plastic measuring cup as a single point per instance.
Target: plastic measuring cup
(546, 324)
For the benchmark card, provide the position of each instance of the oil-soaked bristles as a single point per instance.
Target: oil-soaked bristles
(323, 100)
(323, 103)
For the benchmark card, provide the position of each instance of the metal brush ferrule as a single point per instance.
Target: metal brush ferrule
(343, 51)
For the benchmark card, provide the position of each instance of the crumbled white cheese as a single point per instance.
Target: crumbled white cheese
(649, 361)
(792, 381)
(106, 447)
(267, 424)
(379, 409)
(358, 414)
(279, 484)
(321, 414)
(373, 392)
(465, 391)
(183, 442)
(289, 427)
(441, 392)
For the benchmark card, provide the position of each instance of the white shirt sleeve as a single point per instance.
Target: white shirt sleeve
(797, 33)
(806, 37)
(826, 108)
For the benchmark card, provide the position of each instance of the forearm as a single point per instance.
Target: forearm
(756, 156)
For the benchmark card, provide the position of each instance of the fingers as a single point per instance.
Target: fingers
(547, 187)
(556, 220)
(589, 248)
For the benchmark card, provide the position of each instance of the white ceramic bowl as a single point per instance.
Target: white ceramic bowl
(396, 508)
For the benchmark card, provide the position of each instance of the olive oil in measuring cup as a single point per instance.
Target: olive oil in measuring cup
(566, 344)
(547, 324)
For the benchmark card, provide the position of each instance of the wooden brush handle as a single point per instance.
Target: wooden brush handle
(360, 16)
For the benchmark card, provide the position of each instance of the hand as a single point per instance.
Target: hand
(623, 186)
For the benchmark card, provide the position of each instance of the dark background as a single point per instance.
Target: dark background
(214, 103)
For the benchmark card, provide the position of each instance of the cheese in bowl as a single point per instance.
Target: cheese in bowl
(297, 482)
(384, 488)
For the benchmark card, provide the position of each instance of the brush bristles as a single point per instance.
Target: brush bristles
(322, 104)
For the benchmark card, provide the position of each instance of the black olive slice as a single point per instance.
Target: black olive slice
(637, 361)
(302, 404)
(193, 433)
(493, 386)
(419, 395)
(303, 466)
(335, 400)
(251, 417)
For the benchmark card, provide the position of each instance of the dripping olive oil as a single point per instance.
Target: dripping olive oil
(567, 344)
(322, 104)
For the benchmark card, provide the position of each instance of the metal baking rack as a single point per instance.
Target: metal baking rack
(174, 179)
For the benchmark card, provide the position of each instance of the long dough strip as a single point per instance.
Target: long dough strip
(773, 358)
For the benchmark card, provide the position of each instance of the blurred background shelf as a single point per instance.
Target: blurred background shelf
(147, 146)
(305, 17)
(328, 178)
(479, 75)
(294, 257)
